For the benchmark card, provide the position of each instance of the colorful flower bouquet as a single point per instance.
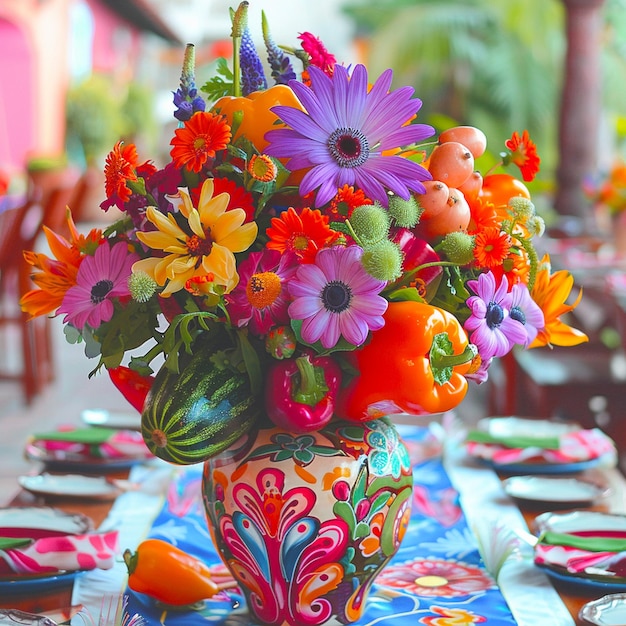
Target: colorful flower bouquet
(313, 240)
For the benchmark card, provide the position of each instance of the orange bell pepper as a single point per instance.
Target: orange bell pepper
(254, 112)
(414, 364)
(167, 574)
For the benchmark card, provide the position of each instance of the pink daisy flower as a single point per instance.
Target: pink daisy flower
(335, 297)
(101, 278)
(261, 297)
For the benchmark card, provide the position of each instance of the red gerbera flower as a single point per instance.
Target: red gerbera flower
(318, 55)
(491, 247)
(119, 169)
(202, 136)
(304, 233)
(524, 154)
(239, 197)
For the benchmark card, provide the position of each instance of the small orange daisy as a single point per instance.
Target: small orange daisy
(119, 168)
(304, 233)
(524, 154)
(347, 199)
(483, 215)
(262, 168)
(203, 135)
(491, 247)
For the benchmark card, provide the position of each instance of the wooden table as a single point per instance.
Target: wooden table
(613, 502)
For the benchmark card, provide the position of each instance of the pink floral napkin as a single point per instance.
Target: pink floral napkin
(571, 447)
(100, 443)
(60, 553)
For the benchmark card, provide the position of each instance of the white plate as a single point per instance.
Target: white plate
(111, 419)
(42, 521)
(503, 427)
(70, 485)
(606, 611)
(552, 490)
(581, 521)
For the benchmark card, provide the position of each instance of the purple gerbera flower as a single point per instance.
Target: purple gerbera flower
(342, 138)
(100, 278)
(525, 310)
(494, 331)
(261, 297)
(335, 296)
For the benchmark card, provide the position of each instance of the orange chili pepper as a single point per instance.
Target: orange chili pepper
(169, 574)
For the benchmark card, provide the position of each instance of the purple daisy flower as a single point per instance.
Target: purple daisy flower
(493, 330)
(347, 128)
(261, 298)
(525, 310)
(100, 278)
(335, 296)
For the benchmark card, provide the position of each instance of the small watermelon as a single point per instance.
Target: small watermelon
(190, 416)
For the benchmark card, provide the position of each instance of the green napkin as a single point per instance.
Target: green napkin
(546, 443)
(88, 436)
(591, 544)
(8, 543)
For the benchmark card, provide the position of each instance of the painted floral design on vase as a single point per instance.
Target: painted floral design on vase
(306, 522)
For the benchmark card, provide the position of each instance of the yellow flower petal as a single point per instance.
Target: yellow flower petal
(242, 238)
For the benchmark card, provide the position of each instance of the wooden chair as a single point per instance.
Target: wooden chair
(20, 229)
(32, 369)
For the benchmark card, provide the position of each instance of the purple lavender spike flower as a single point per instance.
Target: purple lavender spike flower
(252, 74)
(282, 70)
(186, 98)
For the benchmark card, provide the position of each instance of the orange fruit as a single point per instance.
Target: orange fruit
(451, 163)
(499, 188)
(471, 137)
(435, 199)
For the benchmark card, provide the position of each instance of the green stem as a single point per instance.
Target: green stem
(311, 388)
(408, 276)
(440, 360)
(239, 22)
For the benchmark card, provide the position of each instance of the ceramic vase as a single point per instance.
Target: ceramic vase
(305, 522)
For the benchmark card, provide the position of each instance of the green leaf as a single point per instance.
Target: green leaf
(345, 512)
(252, 362)
(221, 84)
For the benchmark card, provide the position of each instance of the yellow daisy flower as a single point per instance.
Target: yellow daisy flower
(206, 248)
(551, 292)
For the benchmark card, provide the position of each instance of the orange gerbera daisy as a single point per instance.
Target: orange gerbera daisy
(55, 276)
(202, 136)
(524, 154)
(304, 233)
(551, 292)
(491, 247)
(346, 200)
(119, 169)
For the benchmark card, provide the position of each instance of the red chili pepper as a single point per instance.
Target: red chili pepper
(132, 385)
(300, 392)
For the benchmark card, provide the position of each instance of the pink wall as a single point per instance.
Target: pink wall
(35, 37)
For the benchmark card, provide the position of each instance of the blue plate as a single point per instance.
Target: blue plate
(585, 583)
(545, 468)
(29, 584)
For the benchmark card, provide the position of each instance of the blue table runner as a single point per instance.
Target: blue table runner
(437, 578)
